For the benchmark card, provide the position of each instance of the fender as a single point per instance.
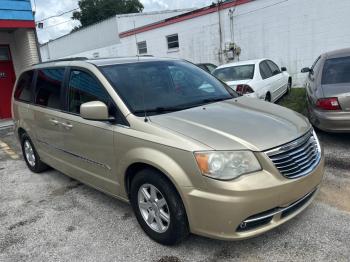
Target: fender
(159, 160)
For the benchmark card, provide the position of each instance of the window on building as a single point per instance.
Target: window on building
(48, 87)
(142, 47)
(84, 88)
(23, 90)
(173, 41)
(4, 54)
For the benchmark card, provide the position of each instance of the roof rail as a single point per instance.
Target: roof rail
(112, 57)
(64, 59)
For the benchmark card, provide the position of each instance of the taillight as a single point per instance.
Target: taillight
(244, 89)
(330, 103)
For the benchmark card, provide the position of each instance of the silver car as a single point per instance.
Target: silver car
(328, 91)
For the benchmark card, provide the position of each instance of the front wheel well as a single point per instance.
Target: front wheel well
(21, 131)
(134, 168)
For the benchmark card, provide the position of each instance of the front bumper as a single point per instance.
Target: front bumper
(222, 212)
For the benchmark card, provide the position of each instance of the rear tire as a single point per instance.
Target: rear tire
(31, 156)
(268, 97)
(162, 216)
(289, 87)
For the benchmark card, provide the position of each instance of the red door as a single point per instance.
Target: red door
(7, 80)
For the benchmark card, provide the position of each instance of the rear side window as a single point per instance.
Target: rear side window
(265, 70)
(336, 70)
(23, 89)
(84, 88)
(48, 87)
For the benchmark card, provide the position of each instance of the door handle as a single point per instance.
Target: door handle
(54, 122)
(67, 125)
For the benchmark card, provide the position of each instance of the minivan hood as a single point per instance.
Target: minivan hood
(240, 123)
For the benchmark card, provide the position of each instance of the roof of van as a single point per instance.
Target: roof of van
(105, 61)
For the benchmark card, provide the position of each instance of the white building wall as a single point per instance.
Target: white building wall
(23, 48)
(95, 36)
(26, 48)
(198, 39)
(101, 39)
(131, 21)
(293, 33)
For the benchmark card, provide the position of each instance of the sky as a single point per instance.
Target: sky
(58, 26)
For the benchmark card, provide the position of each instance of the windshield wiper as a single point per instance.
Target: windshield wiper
(210, 100)
(162, 109)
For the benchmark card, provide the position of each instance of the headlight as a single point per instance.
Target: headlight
(226, 165)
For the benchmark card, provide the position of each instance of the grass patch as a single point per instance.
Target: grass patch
(295, 100)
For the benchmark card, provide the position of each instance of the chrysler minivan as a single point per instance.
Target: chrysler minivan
(184, 149)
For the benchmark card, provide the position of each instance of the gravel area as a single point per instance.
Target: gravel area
(51, 217)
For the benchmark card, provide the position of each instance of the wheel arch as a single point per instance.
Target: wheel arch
(20, 132)
(136, 167)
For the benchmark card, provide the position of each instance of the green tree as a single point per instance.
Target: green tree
(92, 11)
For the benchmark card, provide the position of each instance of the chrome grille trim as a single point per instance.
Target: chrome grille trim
(280, 210)
(297, 158)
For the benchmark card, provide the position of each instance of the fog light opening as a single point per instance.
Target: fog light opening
(243, 225)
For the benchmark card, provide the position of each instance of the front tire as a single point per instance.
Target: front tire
(158, 207)
(31, 156)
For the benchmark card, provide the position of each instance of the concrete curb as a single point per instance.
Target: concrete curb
(6, 127)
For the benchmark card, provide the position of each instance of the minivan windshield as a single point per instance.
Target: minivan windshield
(336, 71)
(156, 87)
(235, 73)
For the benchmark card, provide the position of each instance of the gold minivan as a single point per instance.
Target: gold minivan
(186, 151)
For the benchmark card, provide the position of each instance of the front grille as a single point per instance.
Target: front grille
(297, 158)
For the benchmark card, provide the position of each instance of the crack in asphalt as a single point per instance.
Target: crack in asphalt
(25, 222)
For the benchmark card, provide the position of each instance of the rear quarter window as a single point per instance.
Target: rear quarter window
(24, 87)
(48, 87)
(336, 71)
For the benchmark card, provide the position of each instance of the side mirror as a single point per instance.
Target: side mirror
(284, 69)
(306, 70)
(95, 110)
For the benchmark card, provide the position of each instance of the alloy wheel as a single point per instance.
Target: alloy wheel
(29, 153)
(153, 208)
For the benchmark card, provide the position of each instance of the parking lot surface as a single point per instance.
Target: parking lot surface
(51, 217)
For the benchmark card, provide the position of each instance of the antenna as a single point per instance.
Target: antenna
(137, 47)
(144, 105)
(143, 98)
